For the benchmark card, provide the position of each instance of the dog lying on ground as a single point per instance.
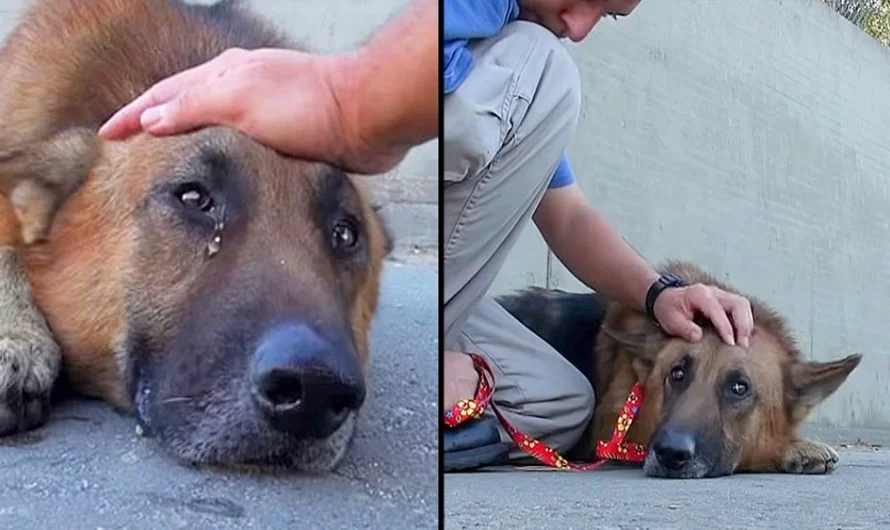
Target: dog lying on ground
(709, 409)
(222, 292)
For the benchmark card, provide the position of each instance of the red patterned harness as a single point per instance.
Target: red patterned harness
(614, 449)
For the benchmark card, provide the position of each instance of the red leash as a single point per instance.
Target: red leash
(614, 449)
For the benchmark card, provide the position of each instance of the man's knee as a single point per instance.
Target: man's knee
(574, 411)
(579, 406)
(571, 417)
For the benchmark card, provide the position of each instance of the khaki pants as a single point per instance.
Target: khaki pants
(505, 129)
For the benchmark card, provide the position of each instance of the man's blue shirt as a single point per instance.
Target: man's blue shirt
(466, 20)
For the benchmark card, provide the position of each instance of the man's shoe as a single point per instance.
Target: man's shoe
(473, 445)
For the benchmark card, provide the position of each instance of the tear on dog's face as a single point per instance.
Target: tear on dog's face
(239, 286)
(252, 279)
(715, 409)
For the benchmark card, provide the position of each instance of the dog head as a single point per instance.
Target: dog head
(714, 408)
(236, 286)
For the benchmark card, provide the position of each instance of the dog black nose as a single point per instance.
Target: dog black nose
(305, 384)
(674, 448)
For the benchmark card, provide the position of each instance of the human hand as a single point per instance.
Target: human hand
(294, 102)
(460, 378)
(675, 309)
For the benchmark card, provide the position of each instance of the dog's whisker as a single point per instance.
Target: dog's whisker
(174, 400)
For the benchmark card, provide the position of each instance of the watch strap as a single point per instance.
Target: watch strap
(665, 281)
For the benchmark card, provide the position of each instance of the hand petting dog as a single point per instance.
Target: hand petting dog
(675, 310)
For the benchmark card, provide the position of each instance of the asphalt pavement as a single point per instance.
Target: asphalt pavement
(87, 469)
(854, 497)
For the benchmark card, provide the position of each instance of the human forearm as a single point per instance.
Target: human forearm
(591, 248)
(361, 110)
(388, 89)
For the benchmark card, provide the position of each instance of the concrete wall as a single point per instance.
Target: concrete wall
(409, 193)
(752, 138)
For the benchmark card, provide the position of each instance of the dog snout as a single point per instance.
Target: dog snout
(674, 448)
(304, 383)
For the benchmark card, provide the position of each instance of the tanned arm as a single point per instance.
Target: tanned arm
(390, 87)
(594, 252)
(591, 249)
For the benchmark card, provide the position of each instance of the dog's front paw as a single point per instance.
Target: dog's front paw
(809, 458)
(29, 365)
(30, 356)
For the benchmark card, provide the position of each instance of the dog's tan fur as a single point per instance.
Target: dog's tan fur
(631, 349)
(66, 214)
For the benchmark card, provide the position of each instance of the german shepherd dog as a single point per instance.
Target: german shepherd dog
(709, 409)
(220, 291)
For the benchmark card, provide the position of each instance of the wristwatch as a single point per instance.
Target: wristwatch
(665, 281)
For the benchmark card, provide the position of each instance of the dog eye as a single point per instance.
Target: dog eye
(344, 235)
(740, 389)
(677, 374)
(195, 196)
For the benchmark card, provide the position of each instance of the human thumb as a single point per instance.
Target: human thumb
(688, 330)
(190, 110)
(152, 115)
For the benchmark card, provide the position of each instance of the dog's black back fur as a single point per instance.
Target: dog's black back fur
(567, 321)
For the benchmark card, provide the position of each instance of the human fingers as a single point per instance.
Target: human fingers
(195, 107)
(702, 299)
(460, 378)
(682, 326)
(739, 308)
(128, 119)
(673, 313)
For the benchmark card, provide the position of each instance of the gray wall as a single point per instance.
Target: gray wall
(409, 193)
(764, 130)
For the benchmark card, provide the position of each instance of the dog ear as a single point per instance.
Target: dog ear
(39, 177)
(643, 344)
(811, 382)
